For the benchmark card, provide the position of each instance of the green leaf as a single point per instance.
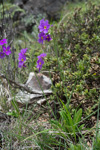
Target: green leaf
(77, 116)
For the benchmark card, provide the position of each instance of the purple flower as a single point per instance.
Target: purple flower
(2, 55)
(6, 50)
(42, 55)
(4, 41)
(44, 26)
(23, 51)
(40, 62)
(22, 59)
(48, 37)
(42, 37)
(21, 64)
(24, 65)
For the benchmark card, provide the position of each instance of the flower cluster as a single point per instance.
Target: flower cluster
(22, 58)
(5, 50)
(43, 28)
(40, 61)
(43, 35)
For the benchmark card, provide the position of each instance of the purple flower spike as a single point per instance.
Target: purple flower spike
(2, 55)
(40, 62)
(44, 26)
(42, 37)
(6, 50)
(42, 55)
(48, 38)
(4, 41)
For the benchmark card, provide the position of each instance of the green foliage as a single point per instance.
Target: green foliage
(96, 145)
(9, 7)
(73, 56)
(16, 111)
(78, 41)
(76, 147)
(13, 113)
(68, 125)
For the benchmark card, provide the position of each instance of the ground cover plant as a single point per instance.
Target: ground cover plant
(70, 52)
